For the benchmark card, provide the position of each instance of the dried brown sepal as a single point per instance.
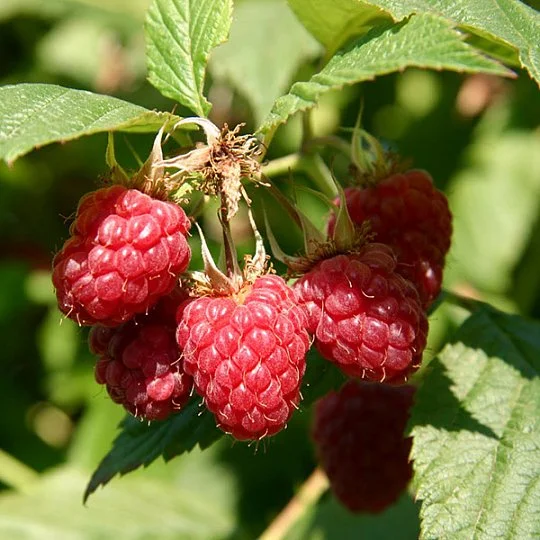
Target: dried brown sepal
(151, 178)
(218, 166)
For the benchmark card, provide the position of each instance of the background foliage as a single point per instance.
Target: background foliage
(478, 135)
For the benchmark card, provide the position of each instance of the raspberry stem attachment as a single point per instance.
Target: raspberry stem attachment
(231, 263)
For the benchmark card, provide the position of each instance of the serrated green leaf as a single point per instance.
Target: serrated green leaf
(33, 115)
(505, 21)
(476, 429)
(333, 23)
(509, 29)
(421, 41)
(179, 37)
(140, 443)
(260, 72)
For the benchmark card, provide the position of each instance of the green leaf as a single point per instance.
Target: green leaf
(333, 23)
(422, 41)
(261, 72)
(476, 429)
(141, 443)
(147, 506)
(33, 115)
(507, 22)
(179, 36)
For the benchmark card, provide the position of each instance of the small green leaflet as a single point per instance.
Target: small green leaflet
(333, 23)
(506, 29)
(476, 429)
(508, 22)
(179, 37)
(422, 41)
(33, 115)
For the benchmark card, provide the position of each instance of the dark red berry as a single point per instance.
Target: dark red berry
(140, 363)
(246, 353)
(408, 213)
(360, 443)
(365, 317)
(126, 251)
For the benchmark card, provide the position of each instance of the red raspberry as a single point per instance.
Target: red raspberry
(358, 434)
(140, 363)
(246, 354)
(125, 252)
(365, 317)
(408, 213)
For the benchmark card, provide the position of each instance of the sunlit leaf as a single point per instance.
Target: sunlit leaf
(180, 35)
(421, 41)
(476, 429)
(33, 115)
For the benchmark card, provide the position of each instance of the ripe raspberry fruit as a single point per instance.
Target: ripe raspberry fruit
(407, 212)
(358, 434)
(246, 353)
(140, 363)
(365, 317)
(125, 252)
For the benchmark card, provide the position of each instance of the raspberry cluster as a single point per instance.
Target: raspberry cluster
(239, 340)
(366, 309)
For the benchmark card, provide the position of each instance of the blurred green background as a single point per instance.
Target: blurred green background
(479, 137)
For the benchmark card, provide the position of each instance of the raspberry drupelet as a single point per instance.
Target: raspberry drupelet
(125, 252)
(139, 362)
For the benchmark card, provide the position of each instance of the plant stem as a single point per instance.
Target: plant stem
(15, 473)
(330, 140)
(228, 247)
(307, 130)
(282, 165)
(308, 494)
(467, 303)
(310, 164)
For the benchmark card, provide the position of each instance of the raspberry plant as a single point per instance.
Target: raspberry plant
(330, 261)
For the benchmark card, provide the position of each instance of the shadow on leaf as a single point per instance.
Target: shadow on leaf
(445, 410)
